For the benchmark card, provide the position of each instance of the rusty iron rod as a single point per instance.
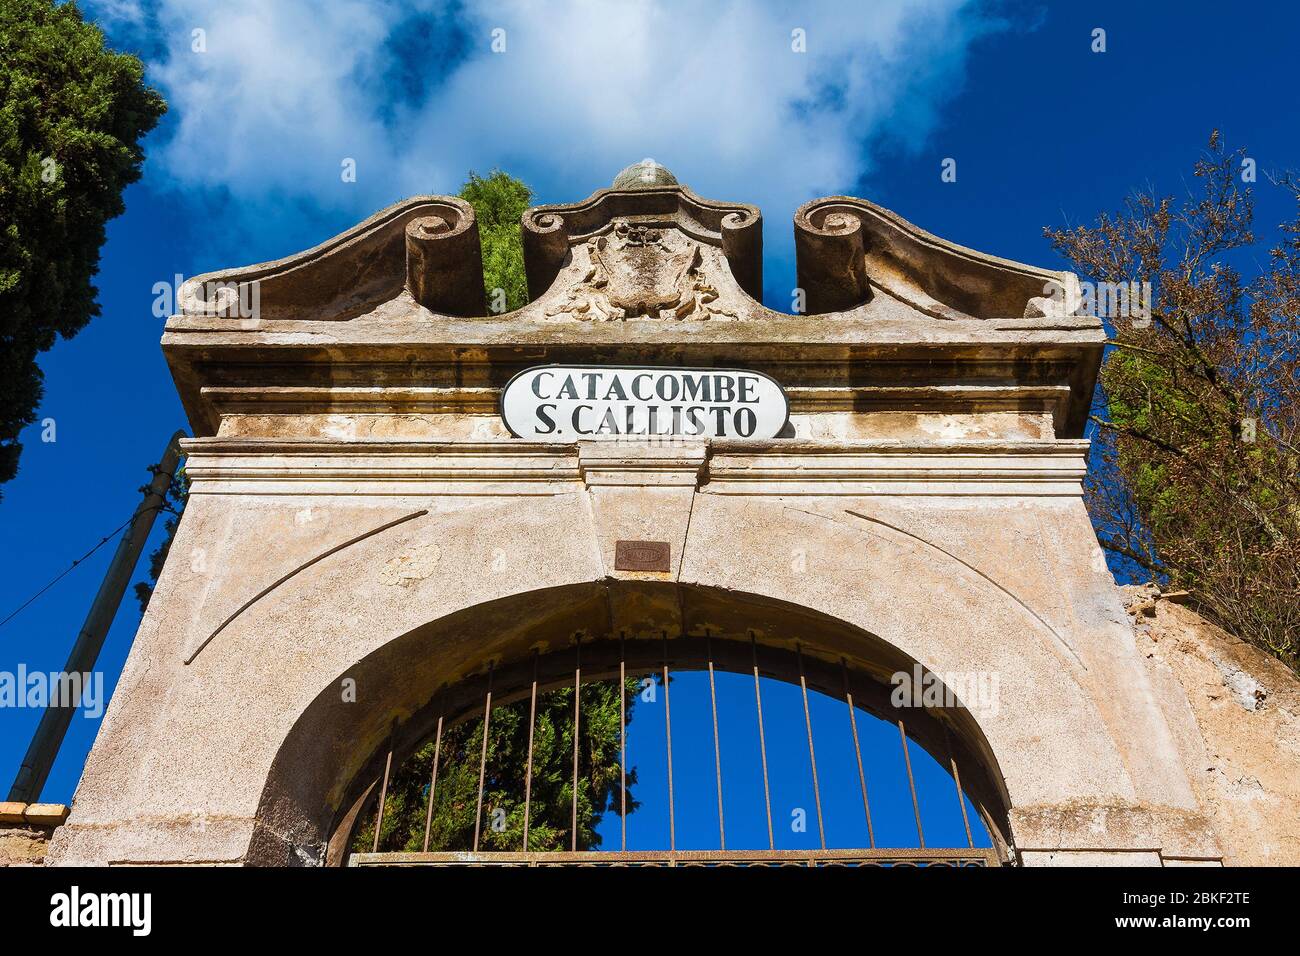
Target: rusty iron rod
(668, 734)
(911, 783)
(482, 760)
(857, 750)
(433, 783)
(528, 771)
(717, 750)
(961, 797)
(812, 753)
(762, 743)
(622, 737)
(383, 790)
(577, 712)
(809, 858)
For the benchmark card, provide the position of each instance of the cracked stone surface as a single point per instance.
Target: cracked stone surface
(1239, 713)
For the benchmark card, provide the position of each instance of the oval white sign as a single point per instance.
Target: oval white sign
(567, 403)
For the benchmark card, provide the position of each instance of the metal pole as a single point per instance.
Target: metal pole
(383, 790)
(762, 744)
(857, 749)
(717, 750)
(528, 773)
(622, 738)
(812, 753)
(433, 784)
(911, 784)
(49, 735)
(956, 779)
(577, 713)
(482, 760)
(668, 734)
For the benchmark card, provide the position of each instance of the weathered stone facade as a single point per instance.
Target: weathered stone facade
(25, 831)
(359, 511)
(1236, 715)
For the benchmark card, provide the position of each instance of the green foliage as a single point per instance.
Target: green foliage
(551, 809)
(499, 201)
(1195, 476)
(71, 118)
(178, 493)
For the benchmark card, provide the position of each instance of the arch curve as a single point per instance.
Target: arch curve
(327, 767)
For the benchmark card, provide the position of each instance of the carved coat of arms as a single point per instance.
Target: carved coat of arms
(638, 271)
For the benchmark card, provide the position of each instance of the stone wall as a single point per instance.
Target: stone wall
(25, 831)
(1235, 713)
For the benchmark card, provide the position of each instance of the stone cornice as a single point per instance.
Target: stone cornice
(899, 467)
(626, 463)
(407, 400)
(512, 467)
(801, 354)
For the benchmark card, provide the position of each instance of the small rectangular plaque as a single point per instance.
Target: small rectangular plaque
(641, 556)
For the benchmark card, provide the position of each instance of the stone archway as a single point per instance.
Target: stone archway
(325, 771)
(359, 511)
(418, 604)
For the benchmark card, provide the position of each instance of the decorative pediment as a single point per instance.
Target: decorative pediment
(670, 219)
(849, 250)
(428, 245)
(646, 249)
(391, 315)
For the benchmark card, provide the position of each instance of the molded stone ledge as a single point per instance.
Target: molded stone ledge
(900, 467)
(34, 814)
(191, 840)
(1149, 858)
(330, 365)
(25, 830)
(508, 467)
(1082, 827)
(278, 466)
(467, 413)
(631, 463)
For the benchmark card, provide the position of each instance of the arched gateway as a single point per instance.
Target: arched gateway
(392, 504)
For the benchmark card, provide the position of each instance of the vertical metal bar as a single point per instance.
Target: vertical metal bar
(961, 797)
(812, 753)
(528, 772)
(482, 760)
(668, 733)
(762, 743)
(911, 784)
(717, 750)
(433, 783)
(577, 709)
(622, 737)
(857, 749)
(383, 790)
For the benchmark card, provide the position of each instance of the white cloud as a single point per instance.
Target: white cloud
(287, 90)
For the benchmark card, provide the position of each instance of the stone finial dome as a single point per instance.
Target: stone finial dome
(646, 174)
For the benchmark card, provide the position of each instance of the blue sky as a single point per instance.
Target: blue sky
(794, 800)
(246, 167)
